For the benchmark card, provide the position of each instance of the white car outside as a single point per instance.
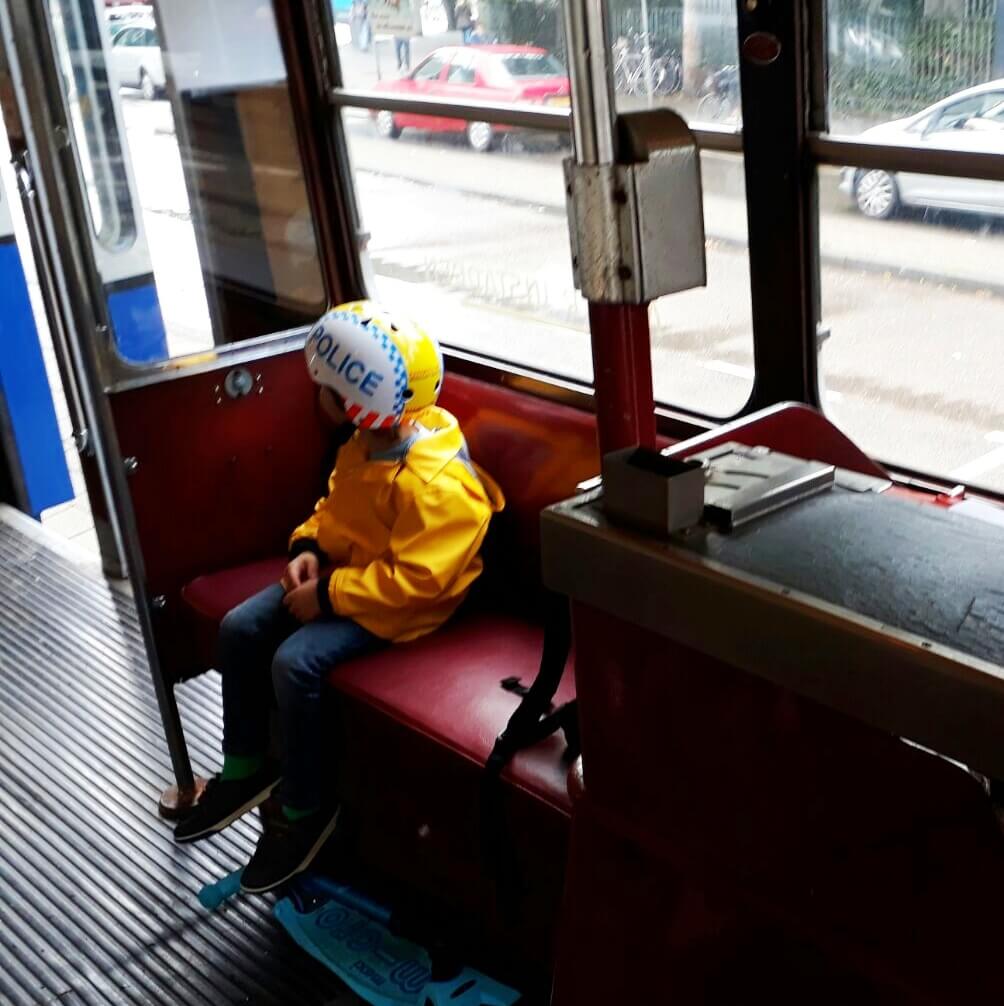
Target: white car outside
(971, 121)
(136, 56)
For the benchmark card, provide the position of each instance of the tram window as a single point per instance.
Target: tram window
(684, 55)
(223, 245)
(475, 244)
(702, 339)
(913, 368)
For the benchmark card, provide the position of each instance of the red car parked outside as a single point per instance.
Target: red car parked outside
(502, 74)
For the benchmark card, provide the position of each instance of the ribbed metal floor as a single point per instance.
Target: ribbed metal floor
(97, 905)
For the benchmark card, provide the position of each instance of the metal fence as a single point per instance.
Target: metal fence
(879, 63)
(713, 29)
(885, 63)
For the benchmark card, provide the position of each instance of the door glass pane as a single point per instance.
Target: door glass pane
(913, 296)
(204, 230)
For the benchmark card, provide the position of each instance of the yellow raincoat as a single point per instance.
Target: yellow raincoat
(403, 535)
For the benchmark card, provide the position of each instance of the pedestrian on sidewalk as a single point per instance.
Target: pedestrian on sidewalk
(464, 20)
(402, 50)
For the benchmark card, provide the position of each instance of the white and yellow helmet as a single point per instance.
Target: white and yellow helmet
(386, 369)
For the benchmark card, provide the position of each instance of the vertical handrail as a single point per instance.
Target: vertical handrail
(591, 82)
(28, 59)
(621, 345)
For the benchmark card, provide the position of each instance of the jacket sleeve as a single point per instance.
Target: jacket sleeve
(432, 542)
(304, 538)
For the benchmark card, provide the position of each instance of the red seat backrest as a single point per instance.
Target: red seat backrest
(537, 451)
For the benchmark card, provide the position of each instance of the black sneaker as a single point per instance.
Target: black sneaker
(286, 849)
(223, 802)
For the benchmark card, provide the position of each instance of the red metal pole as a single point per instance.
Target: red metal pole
(622, 375)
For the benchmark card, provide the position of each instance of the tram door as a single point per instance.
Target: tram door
(167, 198)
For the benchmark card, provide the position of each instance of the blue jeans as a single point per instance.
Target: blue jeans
(265, 651)
(402, 51)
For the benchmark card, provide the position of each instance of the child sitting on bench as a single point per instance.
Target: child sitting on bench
(387, 556)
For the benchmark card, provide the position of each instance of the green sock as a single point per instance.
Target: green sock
(237, 767)
(296, 814)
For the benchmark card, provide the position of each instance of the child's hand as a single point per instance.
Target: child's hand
(301, 602)
(304, 567)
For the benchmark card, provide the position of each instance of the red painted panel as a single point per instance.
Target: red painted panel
(792, 429)
(772, 831)
(221, 481)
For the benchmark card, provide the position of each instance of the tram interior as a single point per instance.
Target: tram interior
(772, 748)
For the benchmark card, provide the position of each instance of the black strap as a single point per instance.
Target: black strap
(532, 721)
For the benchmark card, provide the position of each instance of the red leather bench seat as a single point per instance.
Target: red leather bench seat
(459, 702)
(445, 686)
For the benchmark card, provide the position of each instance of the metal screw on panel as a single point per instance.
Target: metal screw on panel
(158, 603)
(130, 464)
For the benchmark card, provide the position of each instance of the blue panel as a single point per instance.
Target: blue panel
(137, 322)
(25, 388)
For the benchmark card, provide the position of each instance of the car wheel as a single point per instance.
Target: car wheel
(876, 194)
(481, 136)
(386, 127)
(147, 86)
